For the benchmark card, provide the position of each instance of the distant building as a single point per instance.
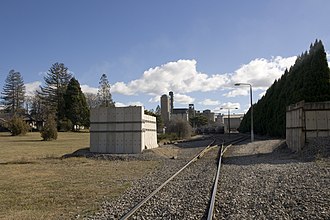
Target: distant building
(165, 108)
(209, 115)
(171, 101)
(192, 112)
(180, 113)
(234, 119)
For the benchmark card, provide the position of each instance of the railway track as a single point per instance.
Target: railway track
(186, 194)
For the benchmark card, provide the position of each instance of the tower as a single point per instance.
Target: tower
(171, 101)
(165, 108)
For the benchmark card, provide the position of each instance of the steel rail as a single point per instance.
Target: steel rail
(222, 150)
(215, 185)
(135, 208)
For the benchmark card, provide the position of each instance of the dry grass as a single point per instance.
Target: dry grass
(36, 184)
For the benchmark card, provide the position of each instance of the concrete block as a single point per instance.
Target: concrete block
(321, 120)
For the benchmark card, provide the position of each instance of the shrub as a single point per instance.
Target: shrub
(65, 125)
(180, 127)
(17, 126)
(49, 131)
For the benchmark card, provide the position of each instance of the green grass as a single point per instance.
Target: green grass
(36, 184)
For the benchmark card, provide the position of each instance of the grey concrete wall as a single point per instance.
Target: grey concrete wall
(306, 120)
(121, 130)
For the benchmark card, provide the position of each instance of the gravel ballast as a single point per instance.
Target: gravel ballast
(260, 180)
(274, 184)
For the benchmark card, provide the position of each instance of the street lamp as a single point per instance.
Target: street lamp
(248, 84)
(228, 118)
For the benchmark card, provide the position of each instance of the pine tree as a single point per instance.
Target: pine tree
(308, 79)
(103, 94)
(52, 94)
(13, 93)
(77, 110)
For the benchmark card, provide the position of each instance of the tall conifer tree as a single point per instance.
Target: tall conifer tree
(77, 110)
(52, 93)
(103, 94)
(13, 93)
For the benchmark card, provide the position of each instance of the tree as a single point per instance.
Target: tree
(52, 94)
(49, 131)
(198, 120)
(91, 100)
(17, 126)
(13, 93)
(159, 120)
(37, 109)
(77, 110)
(103, 94)
(308, 79)
(180, 127)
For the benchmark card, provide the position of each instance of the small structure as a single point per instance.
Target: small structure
(306, 120)
(122, 130)
(233, 120)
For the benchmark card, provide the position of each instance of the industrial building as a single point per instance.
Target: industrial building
(231, 122)
(168, 112)
(122, 130)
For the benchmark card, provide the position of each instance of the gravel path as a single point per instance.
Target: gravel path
(261, 182)
(165, 206)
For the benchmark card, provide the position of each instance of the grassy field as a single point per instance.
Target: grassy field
(35, 183)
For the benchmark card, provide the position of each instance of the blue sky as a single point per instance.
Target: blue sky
(197, 49)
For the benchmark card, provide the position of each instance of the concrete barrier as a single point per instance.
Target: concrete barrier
(306, 120)
(122, 130)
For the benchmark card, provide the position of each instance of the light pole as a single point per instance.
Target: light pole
(248, 84)
(228, 118)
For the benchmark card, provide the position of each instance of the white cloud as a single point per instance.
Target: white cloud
(88, 89)
(242, 91)
(228, 105)
(209, 102)
(180, 76)
(154, 99)
(183, 99)
(262, 94)
(260, 73)
(122, 88)
(119, 104)
(32, 87)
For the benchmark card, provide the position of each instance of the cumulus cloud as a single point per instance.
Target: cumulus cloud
(262, 94)
(180, 76)
(226, 106)
(32, 87)
(209, 102)
(183, 99)
(262, 72)
(88, 89)
(119, 104)
(237, 92)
